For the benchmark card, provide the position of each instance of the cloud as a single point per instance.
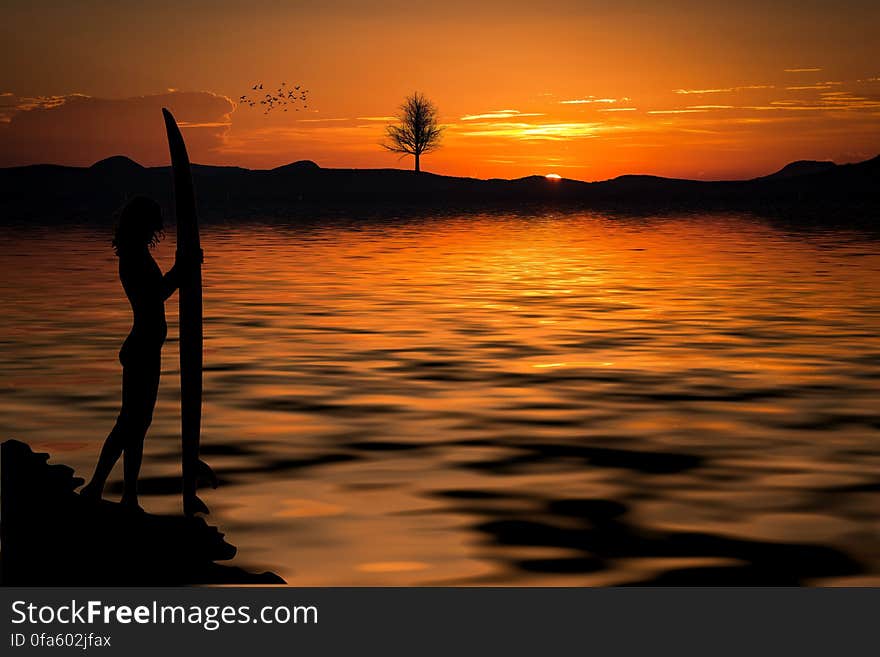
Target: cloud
(834, 101)
(499, 114)
(722, 90)
(537, 131)
(704, 91)
(618, 109)
(12, 104)
(829, 102)
(377, 118)
(818, 85)
(592, 99)
(78, 130)
(802, 70)
(677, 111)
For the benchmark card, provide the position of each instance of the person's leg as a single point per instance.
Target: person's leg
(132, 457)
(147, 387)
(110, 453)
(116, 440)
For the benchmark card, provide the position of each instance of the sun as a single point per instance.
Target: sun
(553, 176)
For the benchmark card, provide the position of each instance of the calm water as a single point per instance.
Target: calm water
(557, 399)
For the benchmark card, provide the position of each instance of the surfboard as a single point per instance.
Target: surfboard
(190, 304)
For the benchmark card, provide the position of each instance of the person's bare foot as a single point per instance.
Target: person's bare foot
(131, 504)
(91, 492)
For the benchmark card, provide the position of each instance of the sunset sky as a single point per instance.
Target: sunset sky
(588, 90)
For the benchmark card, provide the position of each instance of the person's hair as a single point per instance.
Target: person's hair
(138, 224)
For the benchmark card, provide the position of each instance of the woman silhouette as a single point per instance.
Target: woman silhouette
(138, 230)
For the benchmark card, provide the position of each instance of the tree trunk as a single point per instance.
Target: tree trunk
(417, 163)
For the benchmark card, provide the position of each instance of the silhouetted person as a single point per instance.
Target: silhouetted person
(138, 230)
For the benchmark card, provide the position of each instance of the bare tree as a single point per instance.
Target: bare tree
(417, 130)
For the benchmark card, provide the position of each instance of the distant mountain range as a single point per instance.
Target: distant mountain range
(44, 191)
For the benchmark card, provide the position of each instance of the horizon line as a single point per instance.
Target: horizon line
(443, 175)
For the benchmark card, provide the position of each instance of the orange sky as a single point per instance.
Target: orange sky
(585, 89)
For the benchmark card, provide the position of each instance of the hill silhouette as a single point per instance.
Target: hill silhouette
(117, 164)
(800, 168)
(41, 192)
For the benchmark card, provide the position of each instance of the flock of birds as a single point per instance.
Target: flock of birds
(285, 95)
